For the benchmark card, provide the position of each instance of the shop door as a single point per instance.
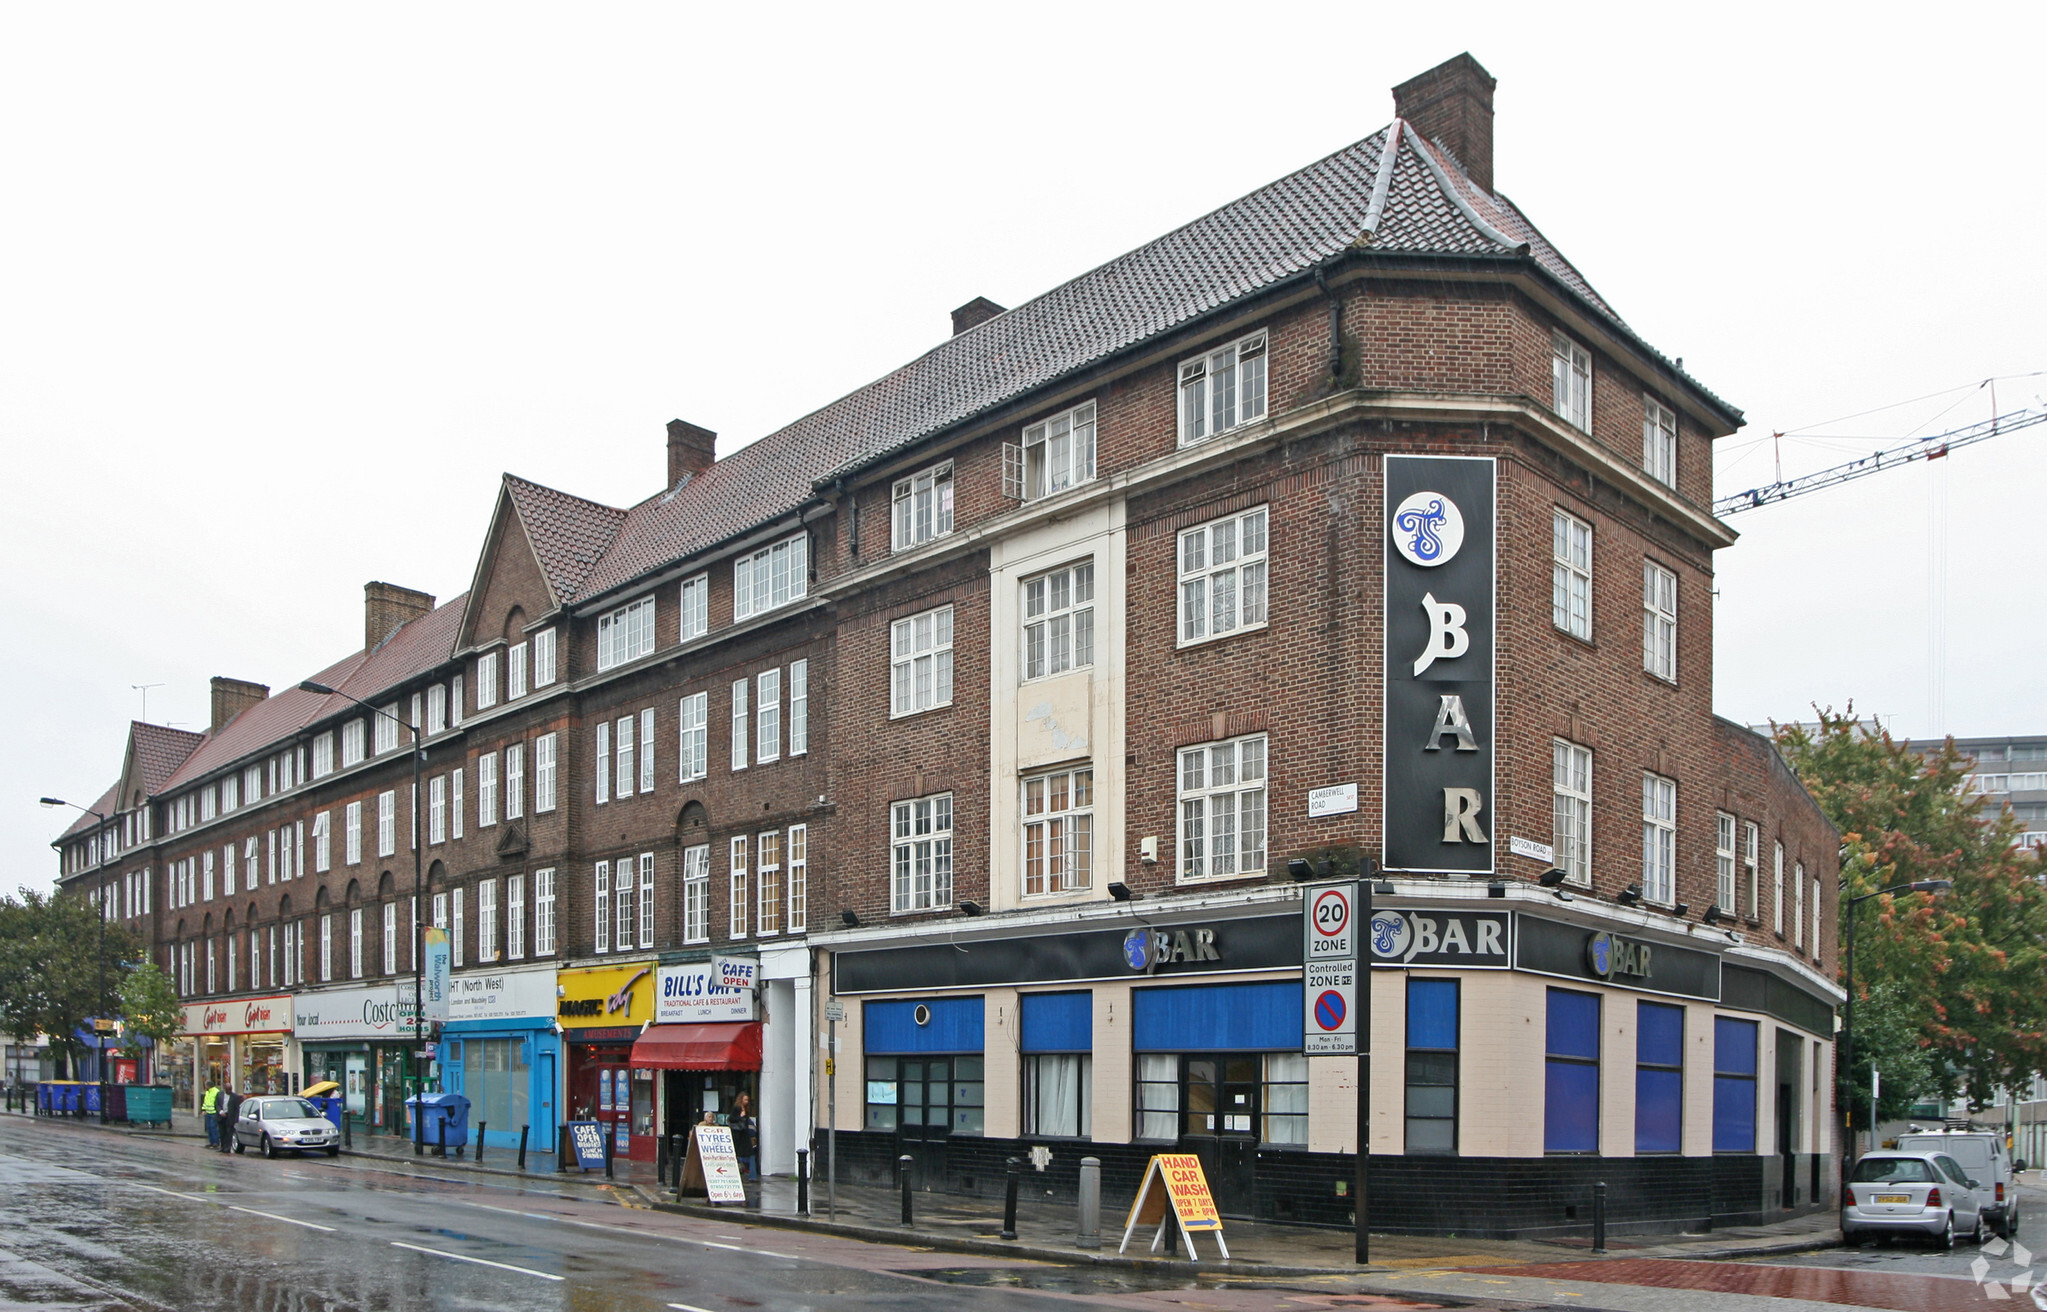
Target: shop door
(924, 1105)
(1219, 1122)
(543, 1120)
(1784, 1130)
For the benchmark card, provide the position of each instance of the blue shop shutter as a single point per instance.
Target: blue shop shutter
(1432, 1013)
(1734, 1046)
(1058, 1022)
(1573, 1024)
(1570, 1110)
(1659, 1034)
(955, 1026)
(1218, 1018)
(1734, 1085)
(1659, 1111)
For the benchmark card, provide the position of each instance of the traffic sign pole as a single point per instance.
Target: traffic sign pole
(1362, 1200)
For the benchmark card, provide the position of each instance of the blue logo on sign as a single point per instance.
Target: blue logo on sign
(1428, 528)
(1137, 949)
(1421, 525)
(1599, 954)
(1329, 1010)
(1390, 934)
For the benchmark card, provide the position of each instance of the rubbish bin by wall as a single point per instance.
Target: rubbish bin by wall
(444, 1118)
(148, 1104)
(330, 1106)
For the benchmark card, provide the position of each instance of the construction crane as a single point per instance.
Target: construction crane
(1924, 448)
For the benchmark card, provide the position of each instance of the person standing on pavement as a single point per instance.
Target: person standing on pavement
(230, 1108)
(209, 1107)
(745, 1137)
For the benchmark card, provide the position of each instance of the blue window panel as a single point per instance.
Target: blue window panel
(1573, 1024)
(1431, 1013)
(1218, 1018)
(1734, 1114)
(1570, 1108)
(1659, 1111)
(1058, 1022)
(955, 1026)
(1734, 1046)
(1659, 1034)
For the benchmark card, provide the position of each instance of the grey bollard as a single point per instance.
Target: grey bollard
(1090, 1203)
(803, 1182)
(905, 1162)
(522, 1145)
(1599, 1217)
(482, 1128)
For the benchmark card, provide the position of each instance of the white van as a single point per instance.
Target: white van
(1981, 1153)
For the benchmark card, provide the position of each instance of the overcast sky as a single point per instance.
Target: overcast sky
(283, 289)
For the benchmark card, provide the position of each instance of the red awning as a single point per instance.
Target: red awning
(729, 1046)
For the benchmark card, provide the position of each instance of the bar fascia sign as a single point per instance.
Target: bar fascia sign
(1175, 1192)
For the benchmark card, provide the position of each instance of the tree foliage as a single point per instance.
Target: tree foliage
(1960, 977)
(150, 1008)
(57, 972)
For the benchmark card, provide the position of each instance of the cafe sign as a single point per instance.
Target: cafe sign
(698, 993)
(239, 1016)
(605, 996)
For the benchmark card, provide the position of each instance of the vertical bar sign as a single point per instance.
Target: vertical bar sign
(1440, 600)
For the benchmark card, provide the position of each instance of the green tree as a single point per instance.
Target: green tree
(150, 1008)
(1963, 976)
(60, 967)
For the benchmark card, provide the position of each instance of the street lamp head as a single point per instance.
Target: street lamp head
(53, 801)
(1935, 886)
(307, 685)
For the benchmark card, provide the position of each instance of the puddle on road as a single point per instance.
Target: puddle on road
(1055, 1279)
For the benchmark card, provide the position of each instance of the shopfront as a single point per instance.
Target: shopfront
(704, 1049)
(1550, 1047)
(244, 1042)
(501, 1052)
(363, 1039)
(602, 1011)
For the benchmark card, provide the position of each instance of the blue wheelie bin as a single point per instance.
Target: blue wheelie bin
(445, 1122)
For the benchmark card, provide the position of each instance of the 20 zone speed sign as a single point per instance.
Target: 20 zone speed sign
(1330, 913)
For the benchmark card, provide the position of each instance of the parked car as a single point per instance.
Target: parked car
(285, 1125)
(1982, 1154)
(1900, 1193)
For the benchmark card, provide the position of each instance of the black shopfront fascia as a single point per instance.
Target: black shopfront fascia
(1252, 943)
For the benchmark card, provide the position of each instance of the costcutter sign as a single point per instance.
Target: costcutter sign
(1439, 562)
(374, 1013)
(240, 1016)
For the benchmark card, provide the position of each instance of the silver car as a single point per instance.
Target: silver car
(1923, 1194)
(285, 1125)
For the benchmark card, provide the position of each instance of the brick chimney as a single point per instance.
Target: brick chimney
(386, 606)
(1452, 104)
(690, 450)
(233, 696)
(973, 314)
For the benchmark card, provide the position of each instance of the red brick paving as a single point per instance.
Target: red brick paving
(1907, 1293)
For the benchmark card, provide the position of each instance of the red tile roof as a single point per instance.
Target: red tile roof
(569, 533)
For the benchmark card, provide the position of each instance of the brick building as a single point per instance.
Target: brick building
(996, 705)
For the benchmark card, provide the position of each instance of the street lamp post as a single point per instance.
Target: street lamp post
(418, 907)
(99, 1036)
(1933, 886)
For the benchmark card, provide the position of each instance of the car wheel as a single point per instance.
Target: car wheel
(269, 1148)
(334, 1151)
(1976, 1235)
(2010, 1228)
(1945, 1240)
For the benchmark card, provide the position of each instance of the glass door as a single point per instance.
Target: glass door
(928, 1099)
(1219, 1122)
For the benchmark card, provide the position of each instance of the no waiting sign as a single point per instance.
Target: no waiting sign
(1329, 922)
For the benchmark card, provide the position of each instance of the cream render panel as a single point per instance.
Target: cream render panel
(1501, 1062)
(1068, 718)
(1114, 1066)
(1698, 1079)
(1616, 1072)
(1002, 1080)
(849, 1063)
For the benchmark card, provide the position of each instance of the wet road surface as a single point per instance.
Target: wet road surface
(90, 1220)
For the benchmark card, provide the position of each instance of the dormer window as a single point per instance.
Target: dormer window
(1222, 390)
(625, 634)
(923, 506)
(771, 577)
(1059, 453)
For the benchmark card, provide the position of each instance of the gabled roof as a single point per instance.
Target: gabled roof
(1413, 199)
(569, 533)
(157, 751)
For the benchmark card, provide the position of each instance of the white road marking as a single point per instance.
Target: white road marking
(619, 1230)
(221, 1202)
(480, 1261)
(689, 1307)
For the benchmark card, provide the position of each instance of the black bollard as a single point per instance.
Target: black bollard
(660, 1161)
(522, 1146)
(564, 1150)
(678, 1153)
(608, 1132)
(347, 1131)
(1013, 1165)
(1599, 1217)
(903, 1165)
(481, 1128)
(441, 1136)
(803, 1182)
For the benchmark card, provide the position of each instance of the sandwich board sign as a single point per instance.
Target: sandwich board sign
(711, 1167)
(1175, 1192)
(586, 1139)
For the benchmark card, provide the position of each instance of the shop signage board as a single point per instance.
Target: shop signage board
(607, 996)
(736, 972)
(1550, 947)
(711, 1167)
(1439, 596)
(240, 1016)
(435, 973)
(502, 995)
(689, 994)
(1329, 969)
(372, 1013)
(586, 1138)
(1431, 936)
(1175, 1192)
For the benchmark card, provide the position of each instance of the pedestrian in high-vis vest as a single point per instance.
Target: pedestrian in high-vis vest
(209, 1108)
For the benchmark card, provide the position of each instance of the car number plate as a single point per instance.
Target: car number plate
(1894, 1198)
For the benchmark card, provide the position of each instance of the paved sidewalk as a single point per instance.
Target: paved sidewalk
(1046, 1228)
